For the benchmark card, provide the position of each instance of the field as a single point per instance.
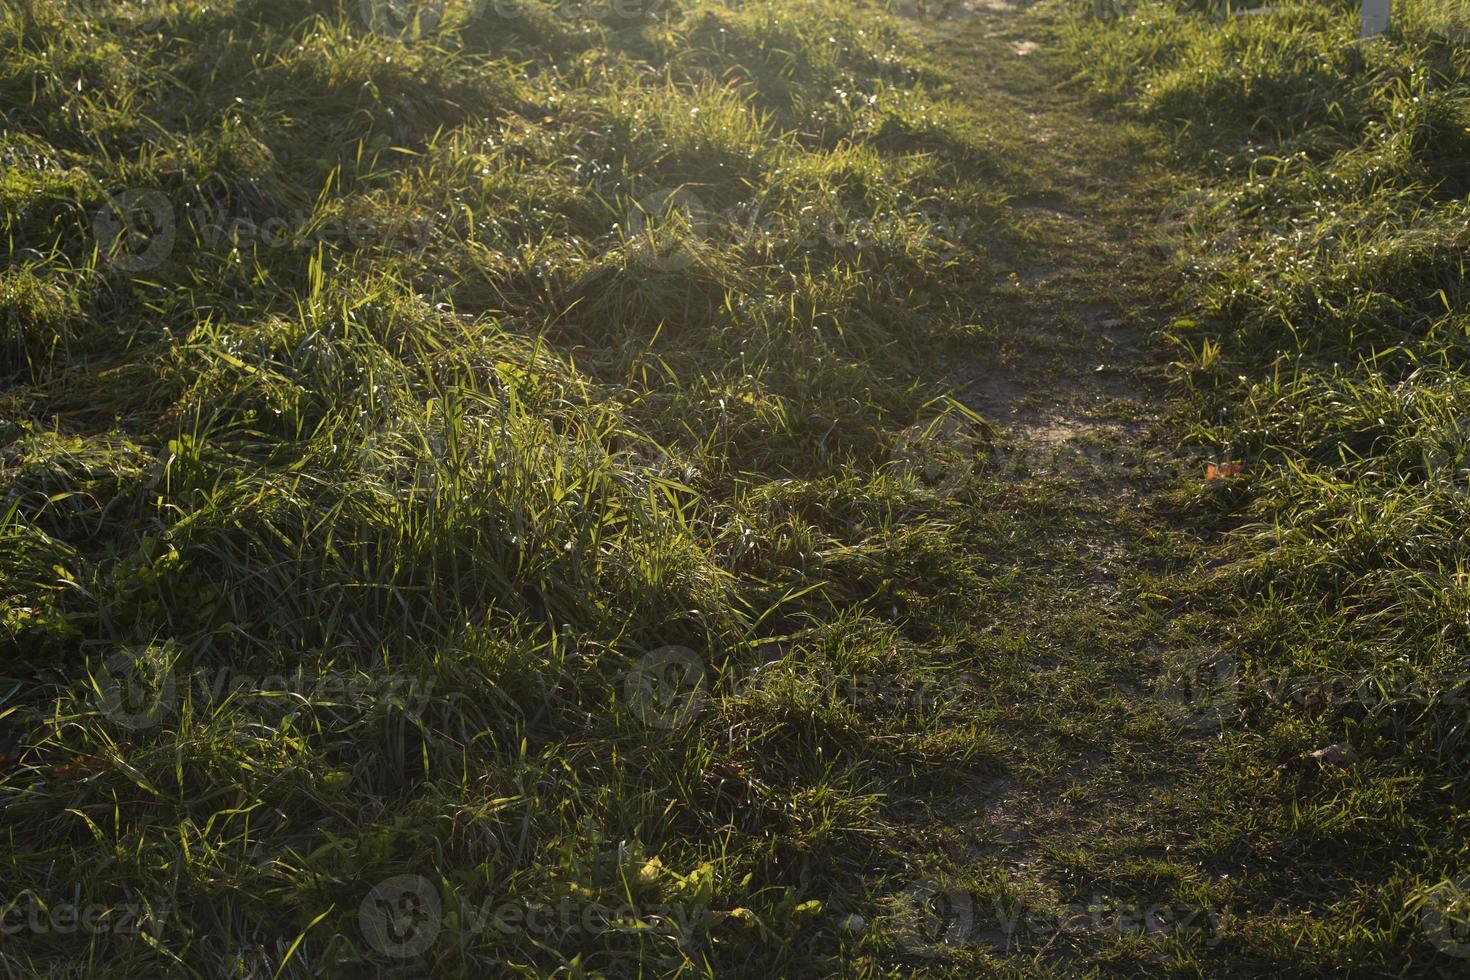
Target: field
(751, 488)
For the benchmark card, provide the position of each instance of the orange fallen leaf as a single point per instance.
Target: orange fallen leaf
(10, 747)
(82, 767)
(1217, 471)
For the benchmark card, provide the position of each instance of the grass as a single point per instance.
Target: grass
(381, 396)
(1324, 348)
(714, 489)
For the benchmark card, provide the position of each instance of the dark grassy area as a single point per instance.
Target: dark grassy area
(1325, 349)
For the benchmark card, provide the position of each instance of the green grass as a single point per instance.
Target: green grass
(375, 404)
(530, 488)
(1325, 347)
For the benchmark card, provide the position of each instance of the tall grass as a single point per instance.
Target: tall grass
(378, 395)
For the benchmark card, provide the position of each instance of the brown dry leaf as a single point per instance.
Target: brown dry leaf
(81, 767)
(1218, 471)
(10, 748)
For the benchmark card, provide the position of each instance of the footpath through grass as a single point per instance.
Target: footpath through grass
(1324, 226)
(692, 489)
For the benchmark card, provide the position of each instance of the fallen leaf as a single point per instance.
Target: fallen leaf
(81, 767)
(1218, 471)
(10, 747)
(744, 916)
(651, 872)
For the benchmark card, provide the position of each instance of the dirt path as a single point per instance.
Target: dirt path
(1107, 692)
